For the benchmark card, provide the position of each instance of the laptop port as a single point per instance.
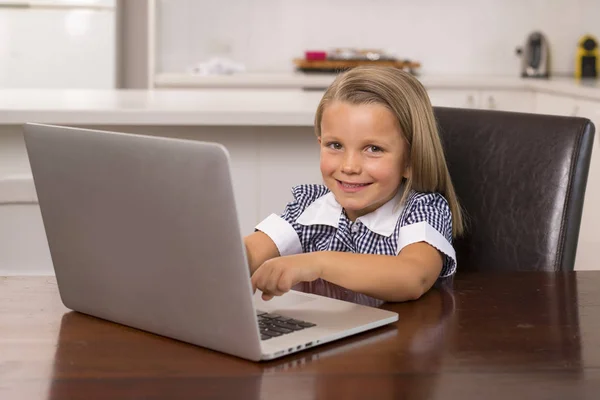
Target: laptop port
(290, 349)
(308, 344)
(299, 347)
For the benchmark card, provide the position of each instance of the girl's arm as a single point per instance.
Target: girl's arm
(259, 248)
(406, 276)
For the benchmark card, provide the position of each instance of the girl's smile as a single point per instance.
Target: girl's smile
(349, 187)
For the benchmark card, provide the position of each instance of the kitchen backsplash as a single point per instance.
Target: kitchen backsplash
(460, 37)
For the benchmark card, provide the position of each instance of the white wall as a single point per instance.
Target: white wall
(476, 37)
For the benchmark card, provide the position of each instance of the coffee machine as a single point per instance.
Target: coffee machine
(535, 56)
(587, 58)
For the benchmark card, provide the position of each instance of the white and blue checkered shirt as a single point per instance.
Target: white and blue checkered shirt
(315, 221)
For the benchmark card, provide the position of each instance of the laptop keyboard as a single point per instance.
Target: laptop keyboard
(273, 325)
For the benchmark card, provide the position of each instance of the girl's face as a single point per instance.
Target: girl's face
(363, 155)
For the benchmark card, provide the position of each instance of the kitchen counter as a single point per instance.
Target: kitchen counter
(588, 89)
(229, 107)
(279, 103)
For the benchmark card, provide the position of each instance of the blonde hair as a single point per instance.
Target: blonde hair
(406, 97)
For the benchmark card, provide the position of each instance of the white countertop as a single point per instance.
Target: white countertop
(254, 107)
(280, 80)
(235, 107)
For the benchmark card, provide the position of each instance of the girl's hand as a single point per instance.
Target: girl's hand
(277, 275)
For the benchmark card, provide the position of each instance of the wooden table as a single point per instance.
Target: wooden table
(502, 336)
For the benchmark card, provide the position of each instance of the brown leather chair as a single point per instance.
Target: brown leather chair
(521, 179)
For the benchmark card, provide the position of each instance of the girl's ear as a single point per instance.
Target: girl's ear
(319, 139)
(407, 170)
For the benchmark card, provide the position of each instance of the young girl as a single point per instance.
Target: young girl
(383, 222)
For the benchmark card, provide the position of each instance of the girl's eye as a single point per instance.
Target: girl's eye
(374, 149)
(334, 145)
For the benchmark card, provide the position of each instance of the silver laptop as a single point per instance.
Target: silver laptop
(143, 231)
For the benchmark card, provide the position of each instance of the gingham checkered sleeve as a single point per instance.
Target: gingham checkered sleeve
(285, 232)
(429, 220)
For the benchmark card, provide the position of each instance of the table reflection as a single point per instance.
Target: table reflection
(504, 325)
(96, 358)
(400, 361)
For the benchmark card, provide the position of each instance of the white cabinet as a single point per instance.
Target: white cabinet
(589, 109)
(546, 103)
(507, 100)
(504, 100)
(454, 98)
(57, 44)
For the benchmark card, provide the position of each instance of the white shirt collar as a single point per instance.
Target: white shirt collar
(327, 211)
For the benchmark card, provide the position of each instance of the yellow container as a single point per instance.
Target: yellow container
(587, 64)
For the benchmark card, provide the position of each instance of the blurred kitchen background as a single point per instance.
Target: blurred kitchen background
(148, 43)
(464, 37)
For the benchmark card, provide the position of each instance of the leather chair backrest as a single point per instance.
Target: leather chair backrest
(521, 180)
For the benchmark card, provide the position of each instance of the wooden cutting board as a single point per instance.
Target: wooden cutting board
(339, 65)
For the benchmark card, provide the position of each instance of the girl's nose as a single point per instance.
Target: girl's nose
(351, 164)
